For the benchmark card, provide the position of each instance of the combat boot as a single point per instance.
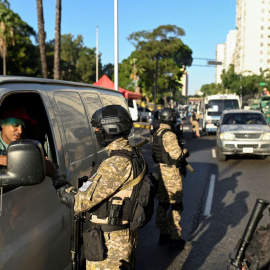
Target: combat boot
(178, 243)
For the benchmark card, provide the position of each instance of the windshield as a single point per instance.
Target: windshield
(243, 119)
(216, 107)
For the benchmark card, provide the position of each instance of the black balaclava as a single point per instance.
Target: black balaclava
(105, 139)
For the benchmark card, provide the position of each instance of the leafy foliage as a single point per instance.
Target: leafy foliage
(159, 53)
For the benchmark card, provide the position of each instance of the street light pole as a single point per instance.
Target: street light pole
(115, 45)
(97, 54)
(155, 92)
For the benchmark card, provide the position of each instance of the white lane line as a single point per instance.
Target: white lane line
(209, 200)
(214, 153)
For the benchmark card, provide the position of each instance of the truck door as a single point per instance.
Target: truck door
(79, 147)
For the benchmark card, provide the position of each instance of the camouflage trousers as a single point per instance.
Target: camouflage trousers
(121, 247)
(196, 128)
(170, 201)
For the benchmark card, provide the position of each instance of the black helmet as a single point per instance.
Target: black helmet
(167, 116)
(113, 122)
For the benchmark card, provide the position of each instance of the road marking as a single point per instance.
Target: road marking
(214, 153)
(209, 200)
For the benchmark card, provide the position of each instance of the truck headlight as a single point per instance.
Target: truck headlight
(266, 136)
(226, 136)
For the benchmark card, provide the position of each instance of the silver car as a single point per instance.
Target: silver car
(241, 132)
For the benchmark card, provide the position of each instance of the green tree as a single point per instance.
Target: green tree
(21, 58)
(7, 20)
(161, 47)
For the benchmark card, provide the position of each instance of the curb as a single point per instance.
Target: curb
(141, 126)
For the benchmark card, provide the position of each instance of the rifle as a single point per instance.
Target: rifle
(79, 218)
(76, 242)
(238, 254)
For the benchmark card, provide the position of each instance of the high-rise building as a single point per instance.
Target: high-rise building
(229, 49)
(224, 54)
(252, 51)
(219, 58)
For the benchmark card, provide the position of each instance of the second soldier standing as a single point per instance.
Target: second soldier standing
(169, 155)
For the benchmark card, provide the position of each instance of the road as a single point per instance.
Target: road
(218, 200)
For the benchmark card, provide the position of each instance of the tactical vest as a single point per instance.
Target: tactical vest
(158, 149)
(125, 212)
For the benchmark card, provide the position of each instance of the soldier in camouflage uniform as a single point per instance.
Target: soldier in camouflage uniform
(168, 153)
(13, 123)
(113, 125)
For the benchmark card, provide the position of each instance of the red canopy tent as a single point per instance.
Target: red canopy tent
(105, 82)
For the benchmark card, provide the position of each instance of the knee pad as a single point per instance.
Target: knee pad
(178, 207)
(164, 205)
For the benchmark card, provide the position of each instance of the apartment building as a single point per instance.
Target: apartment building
(252, 51)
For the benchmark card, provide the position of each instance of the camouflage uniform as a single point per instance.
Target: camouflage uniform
(195, 123)
(110, 176)
(170, 187)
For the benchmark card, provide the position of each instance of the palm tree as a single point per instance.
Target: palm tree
(7, 20)
(57, 41)
(41, 36)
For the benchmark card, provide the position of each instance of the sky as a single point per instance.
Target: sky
(206, 23)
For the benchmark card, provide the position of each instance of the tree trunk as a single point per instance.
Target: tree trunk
(4, 63)
(41, 36)
(57, 41)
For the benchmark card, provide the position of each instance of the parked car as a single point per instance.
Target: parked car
(144, 114)
(154, 124)
(241, 132)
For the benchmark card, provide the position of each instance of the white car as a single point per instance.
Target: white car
(241, 132)
(144, 114)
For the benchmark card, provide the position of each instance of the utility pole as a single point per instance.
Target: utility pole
(155, 92)
(97, 54)
(115, 45)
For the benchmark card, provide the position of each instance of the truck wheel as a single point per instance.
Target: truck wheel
(221, 157)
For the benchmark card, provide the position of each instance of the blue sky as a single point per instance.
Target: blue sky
(206, 24)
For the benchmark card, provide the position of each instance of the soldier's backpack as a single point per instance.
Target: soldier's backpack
(141, 202)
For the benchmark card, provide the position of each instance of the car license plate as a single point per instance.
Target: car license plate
(247, 150)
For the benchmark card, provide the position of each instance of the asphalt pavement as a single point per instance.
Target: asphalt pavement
(142, 133)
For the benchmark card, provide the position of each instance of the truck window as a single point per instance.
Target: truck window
(75, 123)
(92, 103)
(113, 100)
(33, 105)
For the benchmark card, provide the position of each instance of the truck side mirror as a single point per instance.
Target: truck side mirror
(25, 164)
(206, 106)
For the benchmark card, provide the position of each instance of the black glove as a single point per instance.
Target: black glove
(65, 191)
(185, 153)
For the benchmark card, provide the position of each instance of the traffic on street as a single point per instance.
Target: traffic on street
(218, 200)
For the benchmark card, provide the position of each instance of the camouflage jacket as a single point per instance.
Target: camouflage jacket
(110, 176)
(170, 142)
